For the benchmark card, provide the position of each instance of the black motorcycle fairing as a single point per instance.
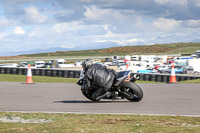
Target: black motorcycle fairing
(119, 81)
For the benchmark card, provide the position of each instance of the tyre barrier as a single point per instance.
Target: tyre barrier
(164, 77)
(75, 74)
(42, 72)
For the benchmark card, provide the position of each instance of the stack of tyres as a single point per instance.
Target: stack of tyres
(42, 72)
(37, 72)
(54, 73)
(60, 73)
(8, 70)
(48, 72)
(71, 74)
(66, 74)
(2, 70)
(14, 70)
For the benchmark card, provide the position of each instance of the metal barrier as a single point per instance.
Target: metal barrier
(75, 74)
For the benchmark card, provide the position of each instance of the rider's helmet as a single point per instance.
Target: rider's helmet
(87, 64)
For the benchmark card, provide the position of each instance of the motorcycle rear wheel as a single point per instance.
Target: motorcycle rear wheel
(135, 90)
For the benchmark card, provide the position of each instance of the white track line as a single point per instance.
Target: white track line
(49, 112)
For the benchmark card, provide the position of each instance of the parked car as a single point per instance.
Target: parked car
(118, 63)
(145, 71)
(24, 64)
(48, 65)
(163, 69)
(188, 69)
(61, 63)
(11, 65)
(40, 64)
(178, 69)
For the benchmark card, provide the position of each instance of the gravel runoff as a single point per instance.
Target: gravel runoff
(20, 120)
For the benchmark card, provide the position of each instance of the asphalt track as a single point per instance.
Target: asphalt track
(159, 99)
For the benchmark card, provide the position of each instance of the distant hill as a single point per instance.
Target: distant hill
(174, 48)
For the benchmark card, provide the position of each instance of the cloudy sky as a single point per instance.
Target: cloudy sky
(35, 25)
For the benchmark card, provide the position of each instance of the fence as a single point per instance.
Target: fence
(76, 73)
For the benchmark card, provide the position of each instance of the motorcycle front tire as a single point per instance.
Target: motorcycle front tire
(135, 90)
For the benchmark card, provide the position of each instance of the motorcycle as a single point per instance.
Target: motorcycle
(124, 87)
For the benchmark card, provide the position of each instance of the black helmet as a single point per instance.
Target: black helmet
(87, 64)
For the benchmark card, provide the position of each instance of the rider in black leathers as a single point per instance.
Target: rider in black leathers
(99, 75)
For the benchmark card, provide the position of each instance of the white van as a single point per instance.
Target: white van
(39, 64)
(11, 65)
(60, 63)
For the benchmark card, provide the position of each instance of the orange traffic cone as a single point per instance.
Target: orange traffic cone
(29, 79)
(173, 75)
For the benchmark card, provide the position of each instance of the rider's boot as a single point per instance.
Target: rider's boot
(106, 95)
(100, 93)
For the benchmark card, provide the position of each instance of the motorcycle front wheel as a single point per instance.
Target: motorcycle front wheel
(134, 90)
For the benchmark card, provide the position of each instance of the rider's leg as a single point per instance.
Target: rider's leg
(100, 93)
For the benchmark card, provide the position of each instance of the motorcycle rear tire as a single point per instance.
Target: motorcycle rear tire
(135, 90)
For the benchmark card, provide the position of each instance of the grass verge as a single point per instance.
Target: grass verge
(45, 79)
(39, 79)
(101, 123)
(191, 81)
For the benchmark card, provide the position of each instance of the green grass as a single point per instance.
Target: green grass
(191, 81)
(45, 79)
(101, 123)
(39, 79)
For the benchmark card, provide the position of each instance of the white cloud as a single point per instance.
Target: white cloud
(4, 22)
(134, 40)
(87, 1)
(121, 42)
(68, 27)
(33, 15)
(99, 14)
(118, 42)
(180, 2)
(66, 45)
(3, 35)
(198, 3)
(19, 31)
(192, 23)
(95, 13)
(164, 24)
(37, 32)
